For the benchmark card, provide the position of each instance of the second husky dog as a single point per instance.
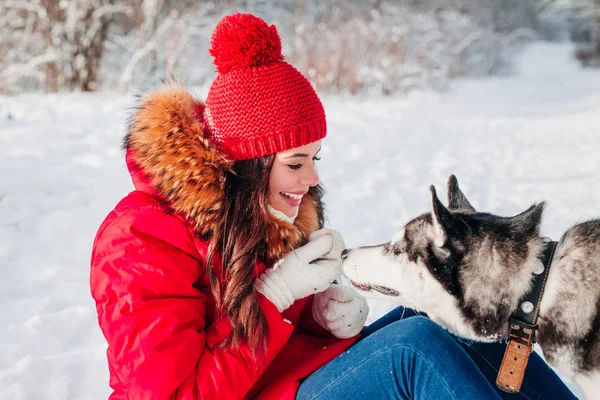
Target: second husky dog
(468, 270)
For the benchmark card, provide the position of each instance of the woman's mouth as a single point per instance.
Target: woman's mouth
(292, 199)
(365, 287)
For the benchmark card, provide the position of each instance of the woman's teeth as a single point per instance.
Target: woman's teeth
(292, 196)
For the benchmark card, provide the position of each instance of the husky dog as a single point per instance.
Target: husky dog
(468, 270)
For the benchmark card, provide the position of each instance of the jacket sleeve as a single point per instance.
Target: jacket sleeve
(153, 314)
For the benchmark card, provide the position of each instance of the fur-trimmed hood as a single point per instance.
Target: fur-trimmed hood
(169, 156)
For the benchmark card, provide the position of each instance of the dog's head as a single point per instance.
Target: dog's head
(466, 269)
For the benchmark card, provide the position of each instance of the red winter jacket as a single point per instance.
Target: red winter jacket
(149, 281)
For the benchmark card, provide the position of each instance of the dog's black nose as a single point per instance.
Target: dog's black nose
(345, 254)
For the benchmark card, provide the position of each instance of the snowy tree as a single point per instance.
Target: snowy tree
(158, 45)
(587, 12)
(391, 46)
(382, 46)
(54, 45)
(60, 45)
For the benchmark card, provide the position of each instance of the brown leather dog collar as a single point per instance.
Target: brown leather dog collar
(522, 327)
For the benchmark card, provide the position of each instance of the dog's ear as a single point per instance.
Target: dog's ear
(456, 198)
(443, 221)
(528, 222)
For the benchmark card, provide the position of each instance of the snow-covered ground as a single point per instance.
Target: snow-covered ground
(510, 141)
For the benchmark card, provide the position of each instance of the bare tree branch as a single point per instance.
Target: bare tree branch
(29, 69)
(97, 19)
(150, 45)
(28, 6)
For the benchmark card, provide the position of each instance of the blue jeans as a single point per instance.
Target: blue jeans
(407, 356)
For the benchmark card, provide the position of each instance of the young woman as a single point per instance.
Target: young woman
(214, 278)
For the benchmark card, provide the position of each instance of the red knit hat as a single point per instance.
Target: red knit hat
(259, 104)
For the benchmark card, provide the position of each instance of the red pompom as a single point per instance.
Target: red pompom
(242, 41)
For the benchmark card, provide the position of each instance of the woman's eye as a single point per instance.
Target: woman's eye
(298, 166)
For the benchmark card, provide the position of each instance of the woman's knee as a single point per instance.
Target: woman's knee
(420, 325)
(416, 331)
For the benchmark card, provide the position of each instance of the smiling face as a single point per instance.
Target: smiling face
(292, 174)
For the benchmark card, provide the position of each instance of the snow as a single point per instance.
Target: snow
(511, 141)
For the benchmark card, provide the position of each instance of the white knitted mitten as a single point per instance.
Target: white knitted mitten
(341, 310)
(307, 270)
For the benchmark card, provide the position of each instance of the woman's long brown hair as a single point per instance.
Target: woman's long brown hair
(240, 236)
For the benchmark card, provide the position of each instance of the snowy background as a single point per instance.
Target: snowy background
(341, 46)
(511, 141)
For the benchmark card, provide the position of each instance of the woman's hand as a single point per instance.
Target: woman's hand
(341, 310)
(307, 270)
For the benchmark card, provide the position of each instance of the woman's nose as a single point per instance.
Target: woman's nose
(311, 177)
